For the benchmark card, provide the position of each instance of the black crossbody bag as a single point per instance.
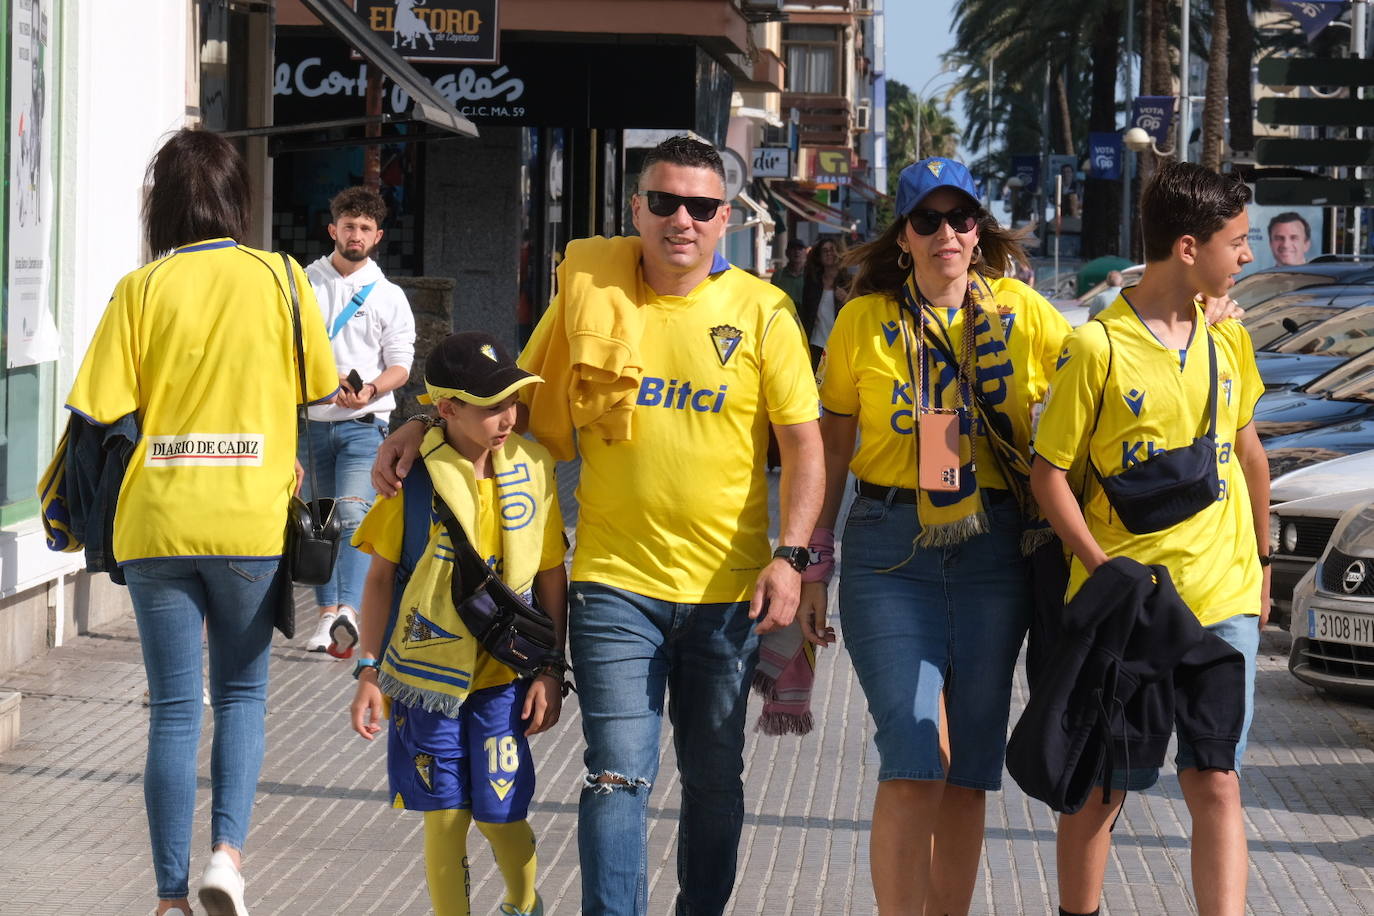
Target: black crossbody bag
(1170, 486)
(518, 634)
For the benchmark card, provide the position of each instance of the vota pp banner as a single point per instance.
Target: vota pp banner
(1104, 152)
(1154, 114)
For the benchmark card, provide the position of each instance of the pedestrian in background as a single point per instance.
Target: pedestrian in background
(825, 290)
(198, 345)
(935, 586)
(791, 276)
(372, 333)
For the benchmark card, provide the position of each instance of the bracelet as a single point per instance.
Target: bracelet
(430, 422)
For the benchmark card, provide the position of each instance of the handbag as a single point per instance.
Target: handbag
(516, 633)
(1170, 486)
(313, 528)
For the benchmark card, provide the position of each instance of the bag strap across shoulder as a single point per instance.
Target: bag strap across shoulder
(301, 410)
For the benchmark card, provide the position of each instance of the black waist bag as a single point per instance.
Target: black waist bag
(517, 634)
(1170, 486)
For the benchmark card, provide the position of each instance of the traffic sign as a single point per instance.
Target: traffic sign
(1328, 112)
(1306, 192)
(1316, 71)
(1280, 151)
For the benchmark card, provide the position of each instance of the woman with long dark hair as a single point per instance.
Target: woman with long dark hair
(934, 367)
(198, 347)
(825, 289)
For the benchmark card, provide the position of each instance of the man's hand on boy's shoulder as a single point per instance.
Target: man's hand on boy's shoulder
(1219, 309)
(543, 704)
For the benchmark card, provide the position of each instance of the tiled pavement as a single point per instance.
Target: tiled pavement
(73, 839)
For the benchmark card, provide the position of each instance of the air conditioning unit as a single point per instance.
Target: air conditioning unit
(762, 5)
(863, 6)
(863, 115)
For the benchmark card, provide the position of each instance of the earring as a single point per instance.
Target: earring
(904, 265)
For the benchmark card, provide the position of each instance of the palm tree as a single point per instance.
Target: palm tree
(939, 135)
(1214, 104)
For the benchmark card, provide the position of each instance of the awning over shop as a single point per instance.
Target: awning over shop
(866, 189)
(427, 105)
(811, 210)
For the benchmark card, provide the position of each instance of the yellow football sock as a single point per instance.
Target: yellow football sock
(446, 861)
(513, 847)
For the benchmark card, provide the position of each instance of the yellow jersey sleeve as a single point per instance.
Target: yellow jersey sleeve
(1049, 332)
(382, 530)
(555, 544)
(321, 372)
(789, 387)
(1249, 385)
(106, 386)
(1071, 408)
(839, 390)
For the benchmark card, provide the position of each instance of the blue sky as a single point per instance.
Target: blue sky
(918, 32)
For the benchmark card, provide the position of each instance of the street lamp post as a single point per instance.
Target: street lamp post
(1185, 113)
(920, 103)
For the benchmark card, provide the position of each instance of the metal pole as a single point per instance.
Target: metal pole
(1125, 250)
(987, 164)
(1058, 209)
(918, 128)
(1359, 27)
(1185, 102)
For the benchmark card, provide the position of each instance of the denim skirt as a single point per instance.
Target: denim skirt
(942, 619)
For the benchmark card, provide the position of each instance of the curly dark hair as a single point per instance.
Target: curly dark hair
(684, 151)
(1184, 198)
(358, 201)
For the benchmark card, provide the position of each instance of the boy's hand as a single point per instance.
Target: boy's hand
(366, 709)
(811, 614)
(543, 704)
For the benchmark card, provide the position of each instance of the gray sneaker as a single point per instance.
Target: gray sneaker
(508, 909)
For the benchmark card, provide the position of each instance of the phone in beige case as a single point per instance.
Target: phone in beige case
(938, 457)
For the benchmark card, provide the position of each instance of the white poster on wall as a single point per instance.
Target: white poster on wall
(31, 332)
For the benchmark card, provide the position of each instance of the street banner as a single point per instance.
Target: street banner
(1026, 166)
(1313, 15)
(1104, 152)
(436, 31)
(1154, 114)
(32, 333)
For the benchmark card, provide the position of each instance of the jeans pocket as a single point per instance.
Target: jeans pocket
(865, 511)
(253, 570)
(161, 567)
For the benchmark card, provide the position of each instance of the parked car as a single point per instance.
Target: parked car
(1339, 475)
(1262, 285)
(1275, 321)
(1332, 622)
(1298, 532)
(1313, 351)
(1341, 395)
(1290, 453)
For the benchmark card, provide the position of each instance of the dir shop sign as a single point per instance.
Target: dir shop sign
(436, 31)
(772, 162)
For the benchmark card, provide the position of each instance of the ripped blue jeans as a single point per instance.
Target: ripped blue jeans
(344, 452)
(626, 650)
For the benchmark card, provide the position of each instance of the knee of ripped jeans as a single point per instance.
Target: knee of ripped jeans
(351, 510)
(607, 782)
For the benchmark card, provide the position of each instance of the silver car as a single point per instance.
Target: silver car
(1333, 611)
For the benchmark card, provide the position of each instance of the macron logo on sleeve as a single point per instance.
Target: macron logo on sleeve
(1135, 400)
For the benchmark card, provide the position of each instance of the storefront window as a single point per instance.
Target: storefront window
(30, 344)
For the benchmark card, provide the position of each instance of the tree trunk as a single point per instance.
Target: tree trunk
(1214, 104)
(1061, 89)
(1241, 56)
(1102, 199)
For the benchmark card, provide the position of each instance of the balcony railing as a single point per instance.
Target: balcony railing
(826, 120)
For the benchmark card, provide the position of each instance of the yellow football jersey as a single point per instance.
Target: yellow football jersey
(382, 533)
(1156, 398)
(200, 344)
(680, 511)
(865, 372)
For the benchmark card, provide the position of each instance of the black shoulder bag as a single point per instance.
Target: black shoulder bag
(517, 634)
(1170, 486)
(312, 528)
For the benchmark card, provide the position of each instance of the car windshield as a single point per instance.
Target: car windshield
(1352, 380)
(1347, 334)
(1256, 288)
(1278, 323)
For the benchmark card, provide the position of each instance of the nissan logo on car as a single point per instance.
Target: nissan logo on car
(1354, 576)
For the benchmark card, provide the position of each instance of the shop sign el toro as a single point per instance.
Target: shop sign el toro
(436, 31)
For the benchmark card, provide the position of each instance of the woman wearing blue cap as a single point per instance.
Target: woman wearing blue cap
(935, 366)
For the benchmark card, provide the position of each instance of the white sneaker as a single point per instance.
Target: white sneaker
(319, 640)
(221, 887)
(343, 633)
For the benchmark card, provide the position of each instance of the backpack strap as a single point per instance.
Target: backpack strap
(417, 496)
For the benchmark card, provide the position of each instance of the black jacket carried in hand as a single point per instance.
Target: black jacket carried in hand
(1129, 656)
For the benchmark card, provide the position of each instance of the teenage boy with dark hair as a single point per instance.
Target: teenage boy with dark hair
(1154, 340)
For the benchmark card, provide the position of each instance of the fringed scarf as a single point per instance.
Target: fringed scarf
(953, 517)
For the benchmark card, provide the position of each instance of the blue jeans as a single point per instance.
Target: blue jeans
(233, 599)
(343, 469)
(626, 649)
(934, 619)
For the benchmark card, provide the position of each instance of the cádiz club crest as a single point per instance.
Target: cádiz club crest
(726, 340)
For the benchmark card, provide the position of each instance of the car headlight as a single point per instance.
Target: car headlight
(1354, 534)
(1273, 532)
(1290, 537)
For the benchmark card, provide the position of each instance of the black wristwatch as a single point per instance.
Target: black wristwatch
(1265, 559)
(797, 557)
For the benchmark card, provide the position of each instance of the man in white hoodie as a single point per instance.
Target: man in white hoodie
(372, 332)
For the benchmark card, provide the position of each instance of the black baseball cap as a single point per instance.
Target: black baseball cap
(474, 367)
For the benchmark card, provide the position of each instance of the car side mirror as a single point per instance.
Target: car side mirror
(1291, 326)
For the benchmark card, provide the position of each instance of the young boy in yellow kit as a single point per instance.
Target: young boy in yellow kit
(1132, 383)
(458, 748)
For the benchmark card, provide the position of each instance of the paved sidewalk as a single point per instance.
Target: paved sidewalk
(73, 839)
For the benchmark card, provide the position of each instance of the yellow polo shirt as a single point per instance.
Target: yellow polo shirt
(1156, 398)
(200, 344)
